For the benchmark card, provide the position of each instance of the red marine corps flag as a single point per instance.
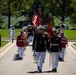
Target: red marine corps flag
(49, 26)
(49, 35)
(37, 18)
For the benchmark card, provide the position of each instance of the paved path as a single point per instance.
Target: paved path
(9, 66)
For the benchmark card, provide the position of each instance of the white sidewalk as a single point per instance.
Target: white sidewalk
(9, 66)
(6, 48)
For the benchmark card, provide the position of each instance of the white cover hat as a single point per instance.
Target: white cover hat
(53, 29)
(25, 27)
(40, 27)
(29, 25)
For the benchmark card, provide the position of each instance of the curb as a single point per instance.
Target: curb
(5, 47)
(74, 47)
(71, 40)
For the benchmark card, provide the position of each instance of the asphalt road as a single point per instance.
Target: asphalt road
(10, 66)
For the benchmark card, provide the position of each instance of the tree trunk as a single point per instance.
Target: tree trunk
(63, 10)
(62, 17)
(9, 15)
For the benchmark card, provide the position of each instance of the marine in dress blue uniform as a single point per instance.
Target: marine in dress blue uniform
(55, 47)
(40, 45)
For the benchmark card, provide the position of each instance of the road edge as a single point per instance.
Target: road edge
(73, 46)
(5, 47)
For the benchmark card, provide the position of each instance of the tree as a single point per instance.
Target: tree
(72, 15)
(58, 8)
(14, 7)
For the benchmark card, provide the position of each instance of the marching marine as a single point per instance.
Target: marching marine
(40, 45)
(64, 42)
(20, 43)
(55, 48)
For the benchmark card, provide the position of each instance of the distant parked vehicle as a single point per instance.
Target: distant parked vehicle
(73, 28)
(21, 24)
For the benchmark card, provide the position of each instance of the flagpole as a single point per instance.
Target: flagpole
(49, 59)
(49, 34)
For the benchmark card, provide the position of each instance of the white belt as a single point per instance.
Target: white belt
(55, 44)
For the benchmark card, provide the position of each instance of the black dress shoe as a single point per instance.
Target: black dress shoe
(54, 70)
(20, 58)
(60, 59)
(40, 71)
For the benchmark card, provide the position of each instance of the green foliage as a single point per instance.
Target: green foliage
(58, 8)
(73, 11)
(16, 6)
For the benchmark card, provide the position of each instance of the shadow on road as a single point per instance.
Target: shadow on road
(32, 72)
(16, 57)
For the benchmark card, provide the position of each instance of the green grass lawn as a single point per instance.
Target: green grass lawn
(74, 44)
(3, 43)
(6, 32)
(71, 34)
